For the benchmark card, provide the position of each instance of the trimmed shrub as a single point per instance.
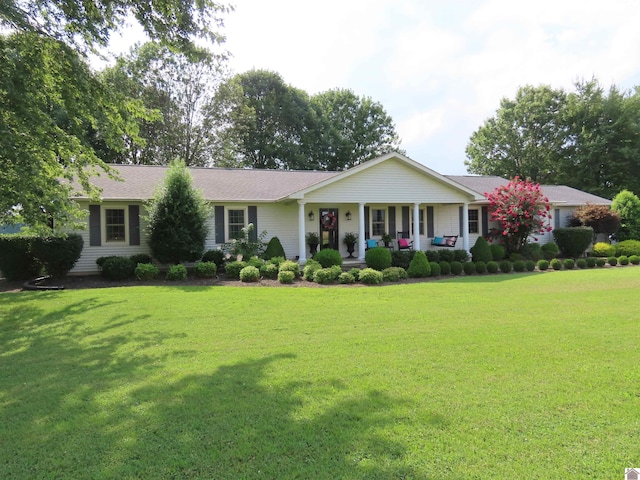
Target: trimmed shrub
(249, 274)
(460, 255)
(445, 268)
(481, 267)
(215, 256)
(519, 266)
(469, 268)
(355, 272)
(346, 278)
(177, 272)
(446, 255)
(328, 257)
(146, 271)
(369, 276)
(601, 262)
(278, 260)
(205, 269)
(141, 258)
(628, 248)
(419, 266)
(255, 262)
(591, 262)
(435, 269)
(514, 257)
(550, 251)
(402, 258)
(269, 270)
(17, 261)
(498, 252)
(337, 270)
(233, 269)
(286, 276)
(543, 265)
(290, 266)
(505, 266)
(274, 249)
(532, 251)
(569, 263)
(581, 263)
(393, 274)
(59, 254)
(573, 241)
(634, 259)
(603, 249)
(623, 260)
(456, 268)
(378, 258)
(492, 267)
(432, 256)
(613, 261)
(118, 268)
(481, 251)
(530, 265)
(556, 264)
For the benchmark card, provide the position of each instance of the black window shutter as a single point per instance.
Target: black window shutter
(252, 212)
(134, 225)
(430, 227)
(405, 220)
(556, 220)
(392, 221)
(366, 222)
(461, 218)
(485, 221)
(219, 223)
(95, 236)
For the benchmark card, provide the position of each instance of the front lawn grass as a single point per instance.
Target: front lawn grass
(510, 376)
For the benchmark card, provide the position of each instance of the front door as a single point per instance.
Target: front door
(329, 228)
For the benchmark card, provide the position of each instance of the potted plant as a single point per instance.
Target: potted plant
(313, 240)
(350, 240)
(386, 238)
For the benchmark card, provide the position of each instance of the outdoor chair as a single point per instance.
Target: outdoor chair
(370, 243)
(403, 241)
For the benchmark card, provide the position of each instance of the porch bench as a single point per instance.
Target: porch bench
(445, 241)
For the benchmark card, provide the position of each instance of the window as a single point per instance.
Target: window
(236, 223)
(421, 223)
(473, 221)
(377, 222)
(114, 224)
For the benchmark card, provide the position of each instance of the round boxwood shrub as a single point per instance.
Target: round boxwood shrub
(498, 252)
(550, 250)
(556, 264)
(402, 258)
(435, 269)
(601, 262)
(569, 263)
(324, 276)
(623, 260)
(118, 268)
(530, 265)
(255, 262)
(492, 267)
(369, 276)
(328, 257)
(613, 261)
(419, 266)
(249, 274)
(355, 272)
(286, 276)
(141, 258)
(146, 271)
(481, 267)
(445, 268)
(456, 267)
(378, 258)
(290, 266)
(460, 255)
(591, 262)
(205, 269)
(573, 241)
(233, 269)
(634, 259)
(309, 269)
(628, 248)
(469, 268)
(519, 266)
(481, 251)
(269, 270)
(432, 256)
(581, 263)
(346, 278)
(603, 249)
(59, 254)
(277, 260)
(532, 251)
(177, 272)
(446, 255)
(215, 256)
(393, 274)
(274, 249)
(505, 266)
(543, 265)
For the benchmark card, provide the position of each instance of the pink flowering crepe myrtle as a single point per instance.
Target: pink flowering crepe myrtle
(521, 210)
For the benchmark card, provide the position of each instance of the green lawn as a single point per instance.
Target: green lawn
(505, 376)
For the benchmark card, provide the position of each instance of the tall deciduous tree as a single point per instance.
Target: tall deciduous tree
(627, 204)
(177, 219)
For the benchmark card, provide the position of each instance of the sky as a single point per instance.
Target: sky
(439, 69)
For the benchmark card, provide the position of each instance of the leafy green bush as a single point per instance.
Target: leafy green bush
(469, 268)
(498, 252)
(573, 241)
(327, 257)
(336, 270)
(269, 270)
(215, 256)
(591, 262)
(628, 248)
(141, 258)
(286, 276)
(581, 263)
(456, 267)
(613, 261)
(249, 274)
(290, 266)
(481, 267)
(277, 260)
(634, 259)
(556, 264)
(481, 251)
(445, 268)
(118, 268)
(432, 256)
(623, 260)
(519, 266)
(603, 249)
(393, 274)
(205, 269)
(146, 271)
(460, 255)
(532, 251)
(550, 250)
(369, 276)
(505, 266)
(309, 269)
(17, 261)
(177, 272)
(435, 269)
(255, 262)
(530, 265)
(274, 249)
(346, 278)
(419, 266)
(543, 265)
(402, 258)
(492, 267)
(58, 254)
(569, 263)
(232, 269)
(378, 258)
(355, 272)
(601, 262)
(446, 255)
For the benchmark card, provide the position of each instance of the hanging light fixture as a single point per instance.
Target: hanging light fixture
(348, 214)
(311, 216)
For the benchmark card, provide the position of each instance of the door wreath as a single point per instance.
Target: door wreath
(329, 221)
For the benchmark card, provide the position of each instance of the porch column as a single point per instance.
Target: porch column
(416, 226)
(465, 226)
(302, 244)
(361, 231)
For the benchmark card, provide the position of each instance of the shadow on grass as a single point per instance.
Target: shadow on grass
(73, 405)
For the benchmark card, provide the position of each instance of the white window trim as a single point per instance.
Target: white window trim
(226, 220)
(103, 224)
(478, 220)
(386, 220)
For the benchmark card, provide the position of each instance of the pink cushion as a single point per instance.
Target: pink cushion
(403, 243)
